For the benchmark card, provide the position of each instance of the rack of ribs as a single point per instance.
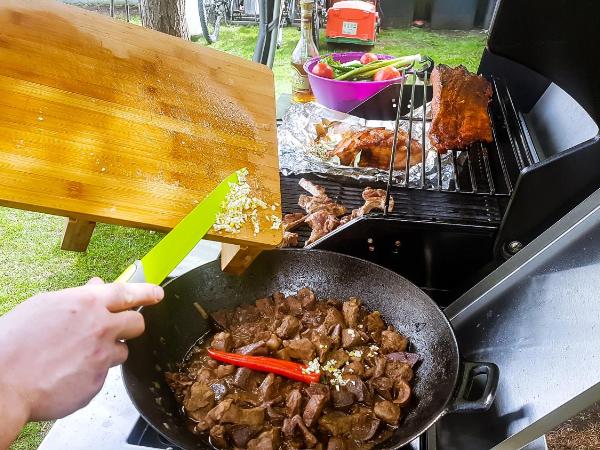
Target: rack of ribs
(375, 148)
(459, 108)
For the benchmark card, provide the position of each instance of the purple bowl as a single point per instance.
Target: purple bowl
(343, 95)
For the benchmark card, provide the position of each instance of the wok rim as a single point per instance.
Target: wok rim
(172, 437)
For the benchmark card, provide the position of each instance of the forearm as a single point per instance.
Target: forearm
(14, 415)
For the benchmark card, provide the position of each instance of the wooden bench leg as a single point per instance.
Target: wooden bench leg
(235, 259)
(77, 234)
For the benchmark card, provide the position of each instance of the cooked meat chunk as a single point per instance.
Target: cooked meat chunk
(374, 200)
(225, 370)
(403, 392)
(392, 341)
(355, 367)
(336, 423)
(268, 387)
(265, 305)
(342, 397)
(351, 310)
(351, 338)
(293, 221)
(294, 305)
(336, 443)
(289, 327)
(314, 408)
(383, 386)
(398, 371)
(252, 417)
(320, 204)
(241, 434)
(409, 358)
(217, 436)
(375, 148)
(199, 396)
(308, 299)
(321, 223)
(358, 387)
(221, 318)
(356, 405)
(256, 348)
(365, 428)
(267, 440)
(244, 378)
(459, 108)
(387, 411)
(289, 239)
(273, 343)
(222, 341)
(293, 402)
(300, 349)
(291, 425)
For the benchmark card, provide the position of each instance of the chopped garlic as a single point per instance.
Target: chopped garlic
(355, 353)
(351, 332)
(313, 367)
(276, 223)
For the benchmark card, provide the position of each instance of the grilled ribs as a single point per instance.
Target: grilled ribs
(459, 108)
(375, 147)
(374, 199)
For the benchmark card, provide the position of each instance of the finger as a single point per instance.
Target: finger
(95, 280)
(128, 324)
(123, 296)
(120, 354)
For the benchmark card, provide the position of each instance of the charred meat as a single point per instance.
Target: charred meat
(375, 148)
(364, 389)
(459, 108)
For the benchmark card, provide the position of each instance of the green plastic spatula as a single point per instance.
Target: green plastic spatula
(170, 251)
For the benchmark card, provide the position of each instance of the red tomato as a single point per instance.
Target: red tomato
(368, 58)
(323, 70)
(387, 73)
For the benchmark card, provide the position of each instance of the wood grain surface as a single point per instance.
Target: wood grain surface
(110, 122)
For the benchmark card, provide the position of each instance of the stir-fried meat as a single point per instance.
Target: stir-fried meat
(459, 108)
(375, 148)
(365, 377)
(222, 341)
(387, 411)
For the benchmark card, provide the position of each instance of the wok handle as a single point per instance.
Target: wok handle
(469, 371)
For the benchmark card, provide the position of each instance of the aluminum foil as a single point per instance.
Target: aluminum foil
(303, 150)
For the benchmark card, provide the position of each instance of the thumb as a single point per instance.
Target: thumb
(95, 280)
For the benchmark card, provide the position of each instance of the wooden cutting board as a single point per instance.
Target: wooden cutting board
(111, 122)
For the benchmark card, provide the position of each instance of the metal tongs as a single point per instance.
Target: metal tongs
(423, 73)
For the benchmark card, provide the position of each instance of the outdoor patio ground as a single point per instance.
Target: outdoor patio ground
(30, 252)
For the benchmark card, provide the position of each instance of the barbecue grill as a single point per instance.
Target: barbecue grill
(535, 315)
(544, 160)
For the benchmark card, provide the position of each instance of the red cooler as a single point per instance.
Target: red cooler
(352, 22)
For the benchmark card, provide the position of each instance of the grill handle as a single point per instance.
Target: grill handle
(470, 370)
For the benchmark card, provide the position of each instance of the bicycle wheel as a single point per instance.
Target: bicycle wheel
(210, 19)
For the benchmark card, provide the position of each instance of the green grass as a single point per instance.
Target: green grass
(451, 48)
(30, 252)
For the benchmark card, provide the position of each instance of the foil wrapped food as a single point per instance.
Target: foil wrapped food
(309, 132)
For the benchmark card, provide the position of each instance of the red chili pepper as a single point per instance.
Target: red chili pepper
(281, 367)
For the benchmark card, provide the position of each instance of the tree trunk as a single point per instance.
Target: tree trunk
(167, 16)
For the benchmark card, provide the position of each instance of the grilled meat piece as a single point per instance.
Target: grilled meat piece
(459, 108)
(293, 220)
(289, 239)
(321, 222)
(374, 199)
(375, 147)
(322, 203)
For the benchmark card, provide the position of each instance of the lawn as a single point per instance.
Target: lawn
(30, 252)
(451, 48)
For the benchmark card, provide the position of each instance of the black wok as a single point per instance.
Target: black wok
(442, 380)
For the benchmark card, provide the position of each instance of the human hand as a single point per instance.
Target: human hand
(56, 347)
